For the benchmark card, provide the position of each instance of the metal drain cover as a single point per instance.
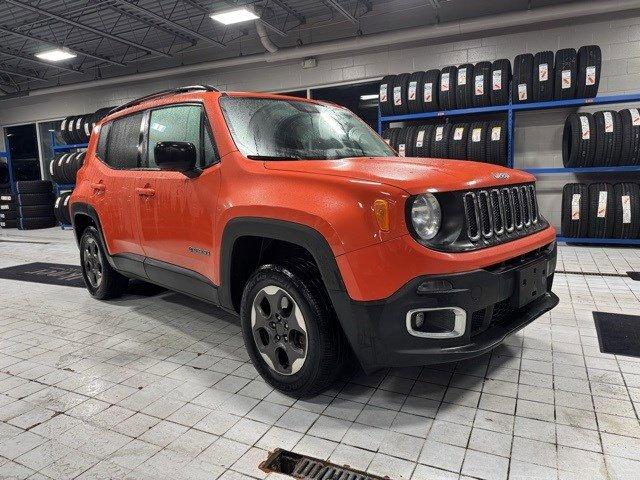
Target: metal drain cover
(309, 468)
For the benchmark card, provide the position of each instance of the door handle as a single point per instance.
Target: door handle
(98, 187)
(146, 192)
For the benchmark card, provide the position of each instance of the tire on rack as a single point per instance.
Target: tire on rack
(575, 210)
(608, 138)
(30, 199)
(496, 149)
(6, 224)
(579, 140)
(458, 141)
(422, 145)
(34, 223)
(64, 129)
(69, 168)
(61, 208)
(393, 138)
(400, 90)
(588, 71)
(402, 141)
(447, 88)
(36, 211)
(482, 84)
(440, 141)
(543, 79)
(386, 95)
(430, 90)
(565, 71)
(8, 215)
(410, 141)
(626, 223)
(464, 86)
(522, 81)
(601, 210)
(630, 148)
(33, 186)
(477, 142)
(415, 92)
(500, 81)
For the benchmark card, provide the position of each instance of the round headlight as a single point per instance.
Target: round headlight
(426, 216)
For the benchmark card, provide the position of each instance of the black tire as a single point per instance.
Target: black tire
(579, 140)
(543, 79)
(522, 82)
(8, 215)
(6, 224)
(458, 141)
(601, 210)
(36, 223)
(4, 175)
(386, 135)
(500, 81)
(8, 206)
(326, 349)
(608, 138)
(626, 223)
(393, 138)
(35, 211)
(477, 142)
(386, 95)
(112, 284)
(630, 148)
(410, 141)
(65, 129)
(464, 86)
(402, 141)
(61, 208)
(69, 168)
(496, 149)
(565, 72)
(440, 141)
(8, 198)
(575, 210)
(422, 145)
(415, 93)
(431, 90)
(400, 91)
(589, 67)
(482, 84)
(33, 186)
(56, 170)
(447, 88)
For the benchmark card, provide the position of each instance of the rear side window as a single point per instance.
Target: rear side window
(123, 142)
(101, 150)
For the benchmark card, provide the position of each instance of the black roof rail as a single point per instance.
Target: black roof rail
(163, 93)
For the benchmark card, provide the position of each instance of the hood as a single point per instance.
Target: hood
(414, 175)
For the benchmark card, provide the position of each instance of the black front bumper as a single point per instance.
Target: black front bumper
(490, 297)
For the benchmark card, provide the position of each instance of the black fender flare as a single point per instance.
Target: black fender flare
(81, 208)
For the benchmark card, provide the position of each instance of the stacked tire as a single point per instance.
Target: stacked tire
(76, 129)
(64, 168)
(8, 210)
(601, 210)
(31, 207)
(61, 208)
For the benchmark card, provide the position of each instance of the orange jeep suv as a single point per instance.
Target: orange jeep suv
(294, 214)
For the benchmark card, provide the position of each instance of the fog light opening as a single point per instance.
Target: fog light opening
(445, 322)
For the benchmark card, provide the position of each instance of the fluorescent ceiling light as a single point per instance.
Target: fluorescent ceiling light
(230, 17)
(55, 55)
(373, 96)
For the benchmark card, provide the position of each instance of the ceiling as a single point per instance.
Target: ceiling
(119, 37)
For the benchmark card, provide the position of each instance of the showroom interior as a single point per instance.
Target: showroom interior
(320, 239)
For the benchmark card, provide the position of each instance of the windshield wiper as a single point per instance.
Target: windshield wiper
(273, 157)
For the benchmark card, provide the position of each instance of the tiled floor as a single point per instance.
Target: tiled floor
(155, 385)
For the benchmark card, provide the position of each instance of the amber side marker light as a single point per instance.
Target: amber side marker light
(381, 212)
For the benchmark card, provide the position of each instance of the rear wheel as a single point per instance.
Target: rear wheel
(102, 281)
(290, 330)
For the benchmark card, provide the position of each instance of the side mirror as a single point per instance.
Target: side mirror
(176, 157)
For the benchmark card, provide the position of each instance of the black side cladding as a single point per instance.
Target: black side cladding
(464, 86)
(440, 141)
(608, 138)
(543, 76)
(522, 82)
(566, 69)
(496, 149)
(588, 70)
(400, 91)
(415, 92)
(482, 84)
(422, 145)
(430, 90)
(578, 140)
(627, 210)
(500, 81)
(447, 90)
(386, 95)
(458, 141)
(575, 210)
(601, 210)
(477, 142)
(630, 150)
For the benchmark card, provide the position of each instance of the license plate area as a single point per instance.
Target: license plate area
(532, 283)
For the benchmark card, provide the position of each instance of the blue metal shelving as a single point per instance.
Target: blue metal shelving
(511, 110)
(57, 148)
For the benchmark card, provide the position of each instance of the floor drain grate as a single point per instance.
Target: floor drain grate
(309, 468)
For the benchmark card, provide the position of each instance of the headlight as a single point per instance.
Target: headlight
(426, 216)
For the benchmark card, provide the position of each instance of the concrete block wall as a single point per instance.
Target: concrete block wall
(538, 134)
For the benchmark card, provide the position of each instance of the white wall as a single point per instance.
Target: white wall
(538, 134)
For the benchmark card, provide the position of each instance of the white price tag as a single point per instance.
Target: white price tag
(497, 79)
(420, 139)
(476, 135)
(575, 206)
(495, 133)
(457, 133)
(412, 90)
(590, 76)
(397, 95)
(479, 85)
(462, 76)
(5, 198)
(401, 149)
(444, 82)
(58, 202)
(4, 207)
(439, 133)
(626, 209)
(584, 127)
(522, 91)
(543, 72)
(566, 79)
(383, 92)
(428, 92)
(635, 117)
(608, 122)
(602, 204)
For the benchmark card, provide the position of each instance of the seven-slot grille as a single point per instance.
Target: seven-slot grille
(500, 211)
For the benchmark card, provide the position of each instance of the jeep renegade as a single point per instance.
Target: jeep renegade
(297, 216)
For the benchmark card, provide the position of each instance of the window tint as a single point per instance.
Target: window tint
(174, 124)
(210, 153)
(123, 143)
(101, 150)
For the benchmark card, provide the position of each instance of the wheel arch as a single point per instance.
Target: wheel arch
(84, 215)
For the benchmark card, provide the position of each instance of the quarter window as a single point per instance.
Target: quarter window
(123, 144)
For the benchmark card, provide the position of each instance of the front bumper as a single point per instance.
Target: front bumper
(489, 296)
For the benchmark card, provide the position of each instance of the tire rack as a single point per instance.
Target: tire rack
(510, 110)
(57, 188)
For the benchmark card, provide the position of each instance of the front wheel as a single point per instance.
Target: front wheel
(102, 281)
(290, 330)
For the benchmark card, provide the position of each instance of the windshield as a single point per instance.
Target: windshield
(272, 129)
